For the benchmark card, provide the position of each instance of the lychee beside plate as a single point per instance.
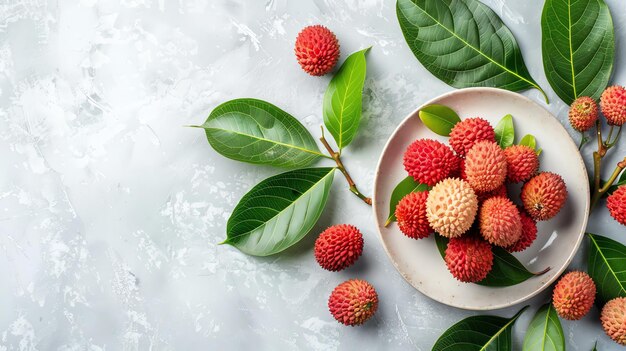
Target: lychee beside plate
(558, 239)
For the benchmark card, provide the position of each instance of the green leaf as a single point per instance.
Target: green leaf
(478, 333)
(256, 131)
(595, 346)
(578, 47)
(439, 119)
(620, 181)
(505, 132)
(545, 332)
(406, 186)
(529, 140)
(343, 99)
(506, 270)
(464, 43)
(279, 211)
(607, 267)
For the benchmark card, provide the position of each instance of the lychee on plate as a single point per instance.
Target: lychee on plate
(411, 215)
(353, 302)
(501, 191)
(573, 295)
(613, 105)
(469, 131)
(500, 222)
(544, 195)
(429, 161)
(485, 166)
(522, 163)
(451, 207)
(338, 247)
(469, 258)
(616, 203)
(613, 317)
(529, 233)
(583, 113)
(317, 50)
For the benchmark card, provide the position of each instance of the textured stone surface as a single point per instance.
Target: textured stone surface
(111, 210)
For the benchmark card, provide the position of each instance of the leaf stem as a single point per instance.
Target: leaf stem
(607, 185)
(337, 157)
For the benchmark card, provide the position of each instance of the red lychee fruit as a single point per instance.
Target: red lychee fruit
(469, 258)
(500, 221)
(338, 247)
(616, 203)
(411, 215)
(317, 50)
(583, 113)
(613, 105)
(485, 166)
(353, 302)
(429, 161)
(544, 195)
(501, 192)
(467, 132)
(529, 233)
(613, 317)
(573, 295)
(522, 163)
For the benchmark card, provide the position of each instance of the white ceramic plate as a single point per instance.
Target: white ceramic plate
(558, 239)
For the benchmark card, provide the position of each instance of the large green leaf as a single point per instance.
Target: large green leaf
(607, 267)
(545, 332)
(279, 211)
(343, 99)
(406, 186)
(478, 333)
(439, 119)
(464, 43)
(578, 47)
(256, 131)
(505, 132)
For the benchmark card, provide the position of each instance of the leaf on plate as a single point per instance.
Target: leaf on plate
(343, 99)
(607, 267)
(464, 43)
(256, 131)
(505, 132)
(545, 331)
(406, 186)
(439, 119)
(529, 140)
(479, 333)
(578, 47)
(279, 211)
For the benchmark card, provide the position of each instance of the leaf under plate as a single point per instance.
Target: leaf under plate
(406, 186)
(607, 267)
(505, 132)
(464, 43)
(279, 211)
(439, 119)
(545, 331)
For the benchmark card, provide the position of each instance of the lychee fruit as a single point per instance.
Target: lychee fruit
(529, 233)
(583, 113)
(338, 247)
(429, 161)
(573, 295)
(613, 105)
(616, 203)
(544, 195)
(317, 50)
(500, 221)
(501, 191)
(353, 302)
(469, 258)
(467, 132)
(451, 207)
(411, 215)
(522, 163)
(485, 166)
(613, 317)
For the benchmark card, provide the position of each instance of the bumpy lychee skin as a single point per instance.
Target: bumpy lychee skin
(583, 113)
(500, 221)
(501, 191)
(522, 163)
(317, 50)
(616, 203)
(485, 166)
(467, 132)
(429, 161)
(544, 195)
(338, 247)
(411, 215)
(469, 258)
(529, 233)
(451, 207)
(613, 105)
(573, 295)
(353, 302)
(613, 317)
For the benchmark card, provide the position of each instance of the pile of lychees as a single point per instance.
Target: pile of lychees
(469, 203)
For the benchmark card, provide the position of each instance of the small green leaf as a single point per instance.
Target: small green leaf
(529, 140)
(505, 132)
(595, 346)
(479, 333)
(545, 331)
(439, 119)
(607, 267)
(344, 98)
(279, 211)
(406, 186)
